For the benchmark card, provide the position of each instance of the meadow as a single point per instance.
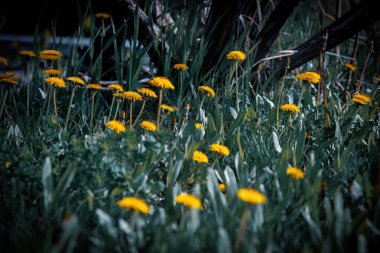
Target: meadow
(183, 160)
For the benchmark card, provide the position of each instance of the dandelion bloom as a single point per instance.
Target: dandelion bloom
(251, 196)
(147, 92)
(7, 74)
(292, 108)
(206, 90)
(8, 164)
(3, 61)
(222, 187)
(135, 204)
(219, 149)
(200, 157)
(10, 80)
(75, 80)
(94, 86)
(29, 53)
(56, 82)
(102, 15)
(309, 76)
(115, 87)
(167, 108)
(361, 98)
(52, 72)
(131, 96)
(161, 82)
(200, 125)
(236, 56)
(50, 55)
(188, 200)
(148, 126)
(295, 173)
(350, 66)
(180, 66)
(116, 126)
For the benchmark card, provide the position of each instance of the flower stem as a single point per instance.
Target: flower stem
(55, 101)
(279, 100)
(92, 111)
(140, 113)
(237, 87)
(200, 106)
(69, 109)
(117, 108)
(243, 222)
(109, 114)
(159, 109)
(3, 102)
(130, 114)
(27, 89)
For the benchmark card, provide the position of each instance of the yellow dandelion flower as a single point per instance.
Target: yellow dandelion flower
(147, 92)
(292, 108)
(3, 61)
(148, 126)
(350, 66)
(219, 149)
(200, 125)
(52, 72)
(222, 187)
(167, 108)
(161, 82)
(56, 82)
(8, 164)
(251, 196)
(361, 98)
(115, 87)
(131, 96)
(102, 15)
(75, 80)
(236, 56)
(94, 86)
(200, 157)
(207, 91)
(29, 53)
(295, 173)
(10, 80)
(135, 204)
(50, 55)
(180, 66)
(7, 74)
(188, 200)
(116, 126)
(311, 77)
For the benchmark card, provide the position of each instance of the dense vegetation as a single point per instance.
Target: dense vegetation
(228, 160)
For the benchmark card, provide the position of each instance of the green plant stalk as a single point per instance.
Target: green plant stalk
(92, 110)
(55, 101)
(159, 109)
(290, 120)
(69, 109)
(130, 114)
(3, 102)
(237, 87)
(140, 113)
(279, 101)
(48, 99)
(243, 221)
(200, 106)
(113, 101)
(117, 108)
(180, 88)
(27, 88)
